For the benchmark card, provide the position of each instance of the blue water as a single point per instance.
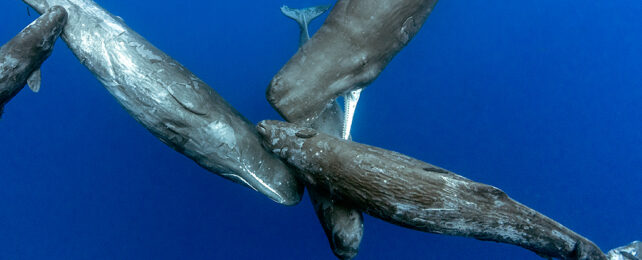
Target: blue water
(542, 99)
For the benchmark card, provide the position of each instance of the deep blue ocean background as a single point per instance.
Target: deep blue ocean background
(542, 99)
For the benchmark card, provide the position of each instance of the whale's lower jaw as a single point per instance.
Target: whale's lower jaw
(350, 101)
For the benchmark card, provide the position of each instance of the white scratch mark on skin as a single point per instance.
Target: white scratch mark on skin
(224, 132)
(238, 178)
(268, 187)
(563, 236)
(11, 61)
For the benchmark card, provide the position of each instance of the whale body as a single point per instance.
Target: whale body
(414, 194)
(22, 56)
(171, 102)
(356, 42)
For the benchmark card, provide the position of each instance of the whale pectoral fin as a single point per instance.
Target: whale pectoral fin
(34, 81)
(350, 101)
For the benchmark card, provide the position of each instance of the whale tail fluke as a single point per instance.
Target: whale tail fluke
(631, 251)
(303, 17)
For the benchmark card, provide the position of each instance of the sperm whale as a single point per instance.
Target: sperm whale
(171, 102)
(22, 56)
(414, 194)
(356, 42)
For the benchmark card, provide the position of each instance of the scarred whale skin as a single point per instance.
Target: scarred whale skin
(23, 55)
(348, 52)
(343, 225)
(418, 195)
(171, 102)
(632, 251)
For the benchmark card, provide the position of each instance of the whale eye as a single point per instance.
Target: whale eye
(306, 133)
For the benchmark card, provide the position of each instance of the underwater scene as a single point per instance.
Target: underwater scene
(420, 129)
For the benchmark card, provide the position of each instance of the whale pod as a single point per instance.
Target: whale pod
(348, 52)
(22, 56)
(418, 195)
(171, 102)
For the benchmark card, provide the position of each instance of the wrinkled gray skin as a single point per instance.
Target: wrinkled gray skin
(631, 251)
(22, 56)
(171, 102)
(342, 224)
(355, 43)
(417, 195)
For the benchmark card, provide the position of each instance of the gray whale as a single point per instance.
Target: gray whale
(171, 102)
(22, 56)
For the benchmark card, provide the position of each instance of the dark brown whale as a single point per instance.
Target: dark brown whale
(22, 56)
(418, 195)
(343, 225)
(348, 52)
